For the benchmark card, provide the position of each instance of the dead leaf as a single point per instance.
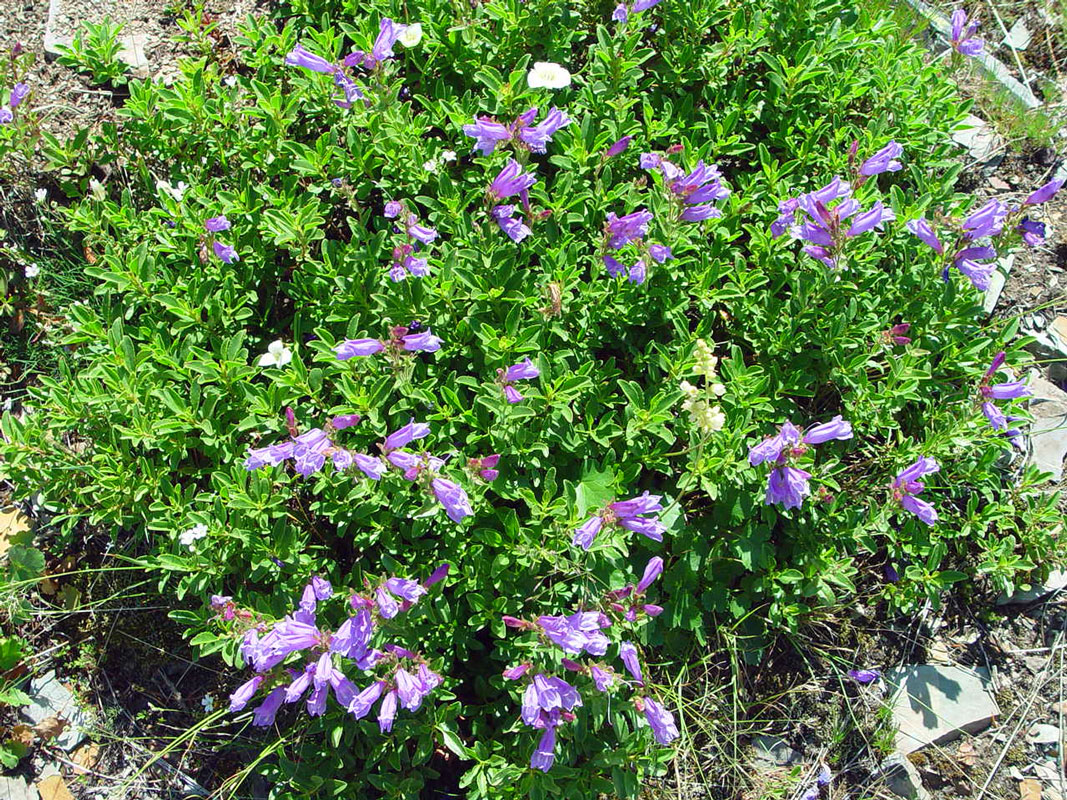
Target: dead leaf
(53, 788)
(49, 586)
(23, 734)
(50, 727)
(966, 754)
(85, 757)
(1029, 789)
(938, 652)
(15, 528)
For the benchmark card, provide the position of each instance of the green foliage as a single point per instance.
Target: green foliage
(95, 49)
(145, 426)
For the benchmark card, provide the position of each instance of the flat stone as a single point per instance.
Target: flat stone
(933, 704)
(1019, 36)
(133, 55)
(1048, 433)
(981, 141)
(17, 789)
(773, 750)
(996, 282)
(1057, 580)
(50, 698)
(902, 778)
(1043, 734)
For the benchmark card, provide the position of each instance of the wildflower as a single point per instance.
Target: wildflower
(907, 485)
(31, 271)
(885, 160)
(225, 252)
(921, 228)
(516, 229)
(399, 342)
(896, 334)
(1033, 232)
(788, 485)
(986, 221)
(511, 180)
(547, 75)
(388, 33)
(410, 35)
(988, 392)
(545, 754)
(577, 633)
(1041, 195)
(18, 94)
(659, 719)
(619, 147)
(263, 716)
(697, 191)
(516, 672)
(523, 371)
(277, 355)
(437, 576)
(864, 675)
(451, 495)
(244, 693)
(628, 655)
(299, 57)
(487, 134)
(485, 467)
(631, 227)
(633, 514)
(217, 224)
(978, 272)
(195, 533)
(536, 137)
(964, 41)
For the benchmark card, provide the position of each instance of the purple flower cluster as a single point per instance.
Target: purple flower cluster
(549, 701)
(907, 485)
(511, 181)
(350, 91)
(488, 133)
(632, 228)
(694, 192)
(988, 392)
(635, 514)
(788, 485)
(525, 370)
(310, 450)
(964, 40)
(18, 94)
(402, 342)
(623, 10)
(401, 676)
(405, 260)
(224, 252)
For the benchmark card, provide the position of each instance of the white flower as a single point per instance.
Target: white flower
(96, 189)
(430, 166)
(208, 703)
(231, 81)
(186, 538)
(411, 35)
(32, 270)
(277, 355)
(40, 195)
(177, 192)
(546, 75)
(448, 155)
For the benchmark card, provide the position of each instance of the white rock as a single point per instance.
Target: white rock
(774, 750)
(1057, 580)
(996, 282)
(933, 704)
(981, 141)
(1019, 36)
(50, 698)
(1043, 734)
(902, 778)
(17, 789)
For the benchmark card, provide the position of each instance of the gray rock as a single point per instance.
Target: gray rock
(996, 282)
(773, 750)
(133, 55)
(1057, 580)
(981, 141)
(17, 789)
(1043, 734)
(902, 778)
(1019, 37)
(933, 704)
(50, 698)
(1048, 433)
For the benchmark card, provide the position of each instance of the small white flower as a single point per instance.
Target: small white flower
(430, 166)
(96, 189)
(177, 192)
(32, 270)
(186, 538)
(448, 155)
(231, 81)
(40, 195)
(411, 35)
(277, 355)
(208, 703)
(546, 75)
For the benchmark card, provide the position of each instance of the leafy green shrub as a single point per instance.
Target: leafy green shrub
(202, 335)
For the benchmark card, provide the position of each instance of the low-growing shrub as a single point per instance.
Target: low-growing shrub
(505, 286)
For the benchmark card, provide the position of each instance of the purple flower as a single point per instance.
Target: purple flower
(864, 675)
(388, 33)
(652, 571)
(371, 466)
(420, 232)
(979, 273)
(631, 227)
(387, 712)
(885, 160)
(451, 495)
(225, 252)
(350, 348)
(620, 14)
(18, 94)
(632, 514)
(264, 715)
(650, 160)
(907, 484)
(342, 421)
(921, 228)
(660, 720)
(772, 448)
(621, 145)
(217, 224)
(577, 633)
(406, 435)
(516, 672)
(869, 220)
(836, 428)
(536, 137)
(660, 252)
(487, 134)
(300, 57)
(1033, 232)
(244, 693)
(996, 417)
(1042, 195)
(787, 486)
(545, 754)
(5, 115)
(644, 5)
(702, 185)
(986, 221)
(393, 209)
(511, 180)
(424, 342)
(350, 92)
(963, 38)
(516, 229)
(628, 655)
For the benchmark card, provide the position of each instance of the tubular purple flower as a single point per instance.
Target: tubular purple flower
(342, 421)
(864, 675)
(787, 486)
(244, 693)
(615, 269)
(920, 508)
(436, 576)
(660, 720)
(537, 137)
(621, 13)
(628, 655)
(652, 571)
(1033, 232)
(388, 33)
(995, 416)
(603, 679)
(545, 754)
(631, 227)
(885, 160)
(1042, 195)
(225, 252)
(986, 221)
(408, 589)
(586, 532)
(406, 435)
(18, 94)
(300, 57)
(387, 605)
(321, 588)
(963, 38)
(371, 466)
(387, 712)
(1007, 391)
(978, 273)
(217, 224)
(393, 209)
(408, 690)
(451, 495)
(836, 428)
(652, 528)
(263, 716)
(487, 134)
(523, 371)
(515, 228)
(424, 342)
(363, 702)
(420, 232)
(644, 5)
(921, 228)
(511, 180)
(660, 252)
(619, 146)
(516, 672)
(869, 220)
(700, 213)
